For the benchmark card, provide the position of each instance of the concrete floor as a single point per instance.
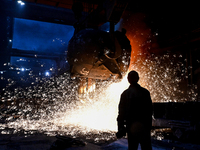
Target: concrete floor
(44, 142)
(36, 142)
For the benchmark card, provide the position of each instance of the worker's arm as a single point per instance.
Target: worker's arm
(121, 117)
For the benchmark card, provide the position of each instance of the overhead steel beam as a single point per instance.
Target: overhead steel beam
(37, 12)
(35, 54)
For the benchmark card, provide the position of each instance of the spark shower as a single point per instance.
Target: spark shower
(53, 106)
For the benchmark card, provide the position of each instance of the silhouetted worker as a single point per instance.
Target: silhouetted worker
(135, 115)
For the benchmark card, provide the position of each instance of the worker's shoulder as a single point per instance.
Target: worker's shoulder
(144, 89)
(125, 91)
(135, 89)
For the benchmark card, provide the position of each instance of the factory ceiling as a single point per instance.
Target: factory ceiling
(62, 3)
(172, 20)
(165, 16)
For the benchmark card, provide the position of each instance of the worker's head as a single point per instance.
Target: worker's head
(133, 77)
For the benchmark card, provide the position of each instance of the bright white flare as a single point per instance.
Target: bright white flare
(96, 114)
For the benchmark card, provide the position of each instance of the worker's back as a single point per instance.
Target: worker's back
(138, 105)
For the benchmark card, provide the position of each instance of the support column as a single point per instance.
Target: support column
(6, 33)
(6, 30)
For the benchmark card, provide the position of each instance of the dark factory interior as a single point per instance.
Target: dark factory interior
(51, 46)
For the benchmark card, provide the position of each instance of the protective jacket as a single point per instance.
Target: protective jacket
(135, 106)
